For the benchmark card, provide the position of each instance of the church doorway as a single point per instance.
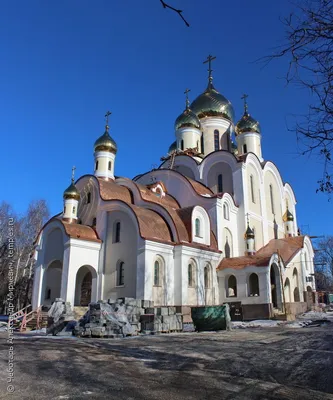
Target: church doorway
(276, 297)
(51, 283)
(84, 286)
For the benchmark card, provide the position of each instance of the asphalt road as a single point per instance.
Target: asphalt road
(274, 363)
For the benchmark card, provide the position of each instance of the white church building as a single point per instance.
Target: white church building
(214, 223)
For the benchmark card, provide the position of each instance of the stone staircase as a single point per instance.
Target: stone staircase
(32, 321)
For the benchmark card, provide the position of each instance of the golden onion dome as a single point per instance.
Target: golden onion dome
(247, 124)
(187, 119)
(287, 216)
(105, 142)
(249, 234)
(173, 147)
(71, 192)
(211, 103)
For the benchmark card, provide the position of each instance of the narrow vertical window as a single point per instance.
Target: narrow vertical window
(74, 209)
(182, 144)
(197, 227)
(244, 149)
(198, 145)
(96, 166)
(109, 166)
(121, 274)
(156, 273)
(220, 183)
(65, 210)
(202, 144)
(190, 274)
(225, 211)
(272, 198)
(94, 222)
(216, 140)
(88, 198)
(116, 233)
(252, 189)
(206, 277)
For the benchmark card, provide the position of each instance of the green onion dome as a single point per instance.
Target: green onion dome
(247, 124)
(211, 103)
(71, 192)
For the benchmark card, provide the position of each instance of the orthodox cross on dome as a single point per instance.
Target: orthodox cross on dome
(73, 172)
(209, 60)
(108, 113)
(247, 219)
(244, 97)
(187, 100)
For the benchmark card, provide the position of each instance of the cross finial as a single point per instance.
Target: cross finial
(247, 219)
(244, 97)
(73, 172)
(108, 113)
(209, 60)
(187, 100)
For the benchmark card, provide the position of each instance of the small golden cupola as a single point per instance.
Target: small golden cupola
(249, 239)
(188, 128)
(248, 133)
(105, 149)
(288, 220)
(71, 198)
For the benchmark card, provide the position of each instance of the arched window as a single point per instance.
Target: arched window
(202, 144)
(232, 286)
(94, 222)
(206, 277)
(244, 149)
(197, 227)
(226, 211)
(182, 144)
(272, 198)
(190, 275)
(254, 285)
(252, 189)
(47, 293)
(157, 273)
(88, 198)
(109, 165)
(116, 232)
(227, 250)
(216, 140)
(220, 183)
(121, 270)
(96, 166)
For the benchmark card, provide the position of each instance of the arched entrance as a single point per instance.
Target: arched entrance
(296, 286)
(287, 295)
(51, 287)
(275, 281)
(85, 286)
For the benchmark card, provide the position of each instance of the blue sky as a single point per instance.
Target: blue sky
(65, 63)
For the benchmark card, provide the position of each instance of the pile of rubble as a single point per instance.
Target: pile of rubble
(128, 317)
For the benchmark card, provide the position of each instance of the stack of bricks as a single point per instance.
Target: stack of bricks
(127, 316)
(161, 320)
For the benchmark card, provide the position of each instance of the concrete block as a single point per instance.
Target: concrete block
(185, 310)
(150, 310)
(165, 327)
(130, 301)
(170, 320)
(157, 326)
(145, 303)
(162, 311)
(187, 319)
(140, 311)
(172, 310)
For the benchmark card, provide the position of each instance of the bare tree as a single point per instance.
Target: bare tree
(309, 48)
(324, 264)
(25, 230)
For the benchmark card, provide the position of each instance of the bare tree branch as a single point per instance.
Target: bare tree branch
(309, 48)
(179, 12)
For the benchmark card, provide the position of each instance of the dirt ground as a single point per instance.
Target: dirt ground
(270, 363)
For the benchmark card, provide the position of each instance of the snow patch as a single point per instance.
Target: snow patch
(256, 324)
